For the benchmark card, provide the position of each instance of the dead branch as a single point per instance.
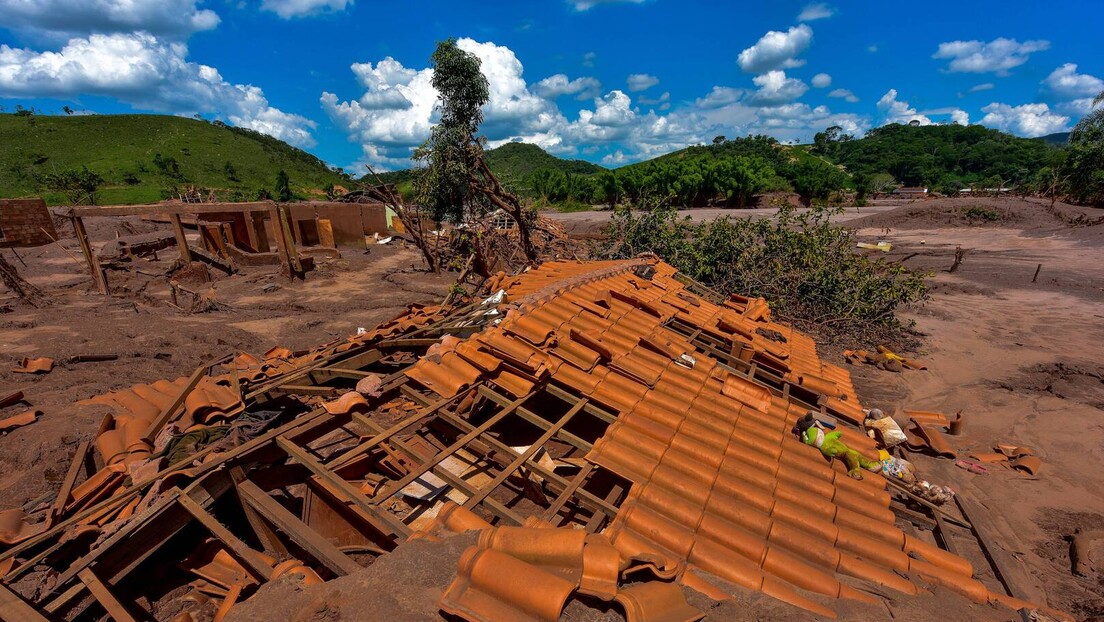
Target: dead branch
(25, 290)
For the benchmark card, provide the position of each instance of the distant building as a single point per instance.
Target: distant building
(913, 192)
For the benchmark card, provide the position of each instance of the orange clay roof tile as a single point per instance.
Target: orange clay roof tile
(491, 586)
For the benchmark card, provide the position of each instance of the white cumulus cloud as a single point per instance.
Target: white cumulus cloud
(289, 9)
(147, 73)
(1029, 120)
(815, 11)
(822, 80)
(559, 84)
(897, 111)
(1066, 82)
(775, 88)
(65, 18)
(641, 82)
(396, 110)
(996, 56)
(776, 50)
(844, 94)
(984, 86)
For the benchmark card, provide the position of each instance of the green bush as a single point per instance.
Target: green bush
(981, 213)
(803, 265)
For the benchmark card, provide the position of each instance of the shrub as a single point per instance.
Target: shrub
(805, 266)
(981, 213)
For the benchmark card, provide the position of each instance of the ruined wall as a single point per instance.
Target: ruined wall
(22, 222)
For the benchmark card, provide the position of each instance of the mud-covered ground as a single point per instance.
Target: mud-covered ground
(154, 340)
(1017, 352)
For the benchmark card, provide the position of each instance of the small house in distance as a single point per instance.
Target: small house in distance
(913, 192)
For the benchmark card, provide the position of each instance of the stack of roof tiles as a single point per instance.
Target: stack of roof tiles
(719, 482)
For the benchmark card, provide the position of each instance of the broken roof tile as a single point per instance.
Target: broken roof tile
(41, 365)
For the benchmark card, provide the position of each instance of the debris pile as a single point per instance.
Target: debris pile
(612, 429)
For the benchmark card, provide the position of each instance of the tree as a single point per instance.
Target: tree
(457, 183)
(67, 110)
(78, 185)
(230, 172)
(609, 187)
(283, 186)
(719, 140)
(815, 180)
(1084, 163)
(882, 183)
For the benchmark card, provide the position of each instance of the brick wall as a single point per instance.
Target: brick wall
(22, 222)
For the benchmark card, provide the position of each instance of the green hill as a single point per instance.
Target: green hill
(142, 157)
(512, 163)
(945, 157)
(519, 160)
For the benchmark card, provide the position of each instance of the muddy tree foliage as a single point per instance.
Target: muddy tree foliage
(806, 267)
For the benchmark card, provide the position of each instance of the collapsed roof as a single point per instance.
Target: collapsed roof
(615, 399)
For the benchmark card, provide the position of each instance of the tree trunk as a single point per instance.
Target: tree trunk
(508, 203)
(408, 220)
(33, 295)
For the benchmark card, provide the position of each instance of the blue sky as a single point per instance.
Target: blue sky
(611, 81)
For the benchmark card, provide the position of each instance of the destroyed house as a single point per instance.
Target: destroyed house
(594, 421)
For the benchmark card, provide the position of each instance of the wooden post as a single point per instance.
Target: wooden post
(114, 607)
(289, 239)
(93, 265)
(181, 241)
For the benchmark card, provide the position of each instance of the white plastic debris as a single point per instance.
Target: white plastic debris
(361, 330)
(497, 298)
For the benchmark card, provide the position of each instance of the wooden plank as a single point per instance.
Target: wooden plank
(565, 494)
(306, 389)
(265, 534)
(181, 240)
(315, 418)
(599, 516)
(152, 514)
(299, 532)
(454, 447)
(1004, 566)
(67, 484)
(103, 595)
(281, 240)
(492, 505)
(535, 419)
(367, 446)
(384, 521)
(15, 609)
(524, 456)
(251, 560)
(585, 498)
(289, 241)
(93, 263)
(169, 411)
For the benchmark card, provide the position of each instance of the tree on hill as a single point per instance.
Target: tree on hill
(78, 185)
(283, 186)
